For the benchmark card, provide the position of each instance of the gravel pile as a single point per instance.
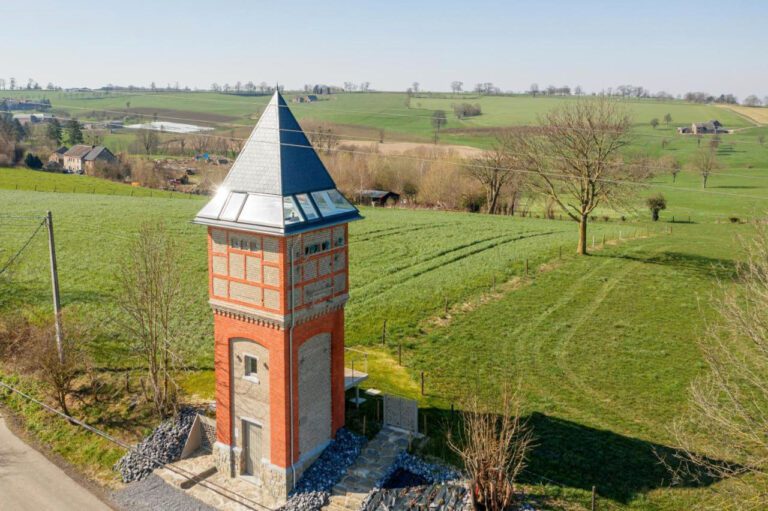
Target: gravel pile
(431, 472)
(314, 488)
(412, 482)
(163, 446)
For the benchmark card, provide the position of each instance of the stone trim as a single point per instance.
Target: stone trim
(276, 321)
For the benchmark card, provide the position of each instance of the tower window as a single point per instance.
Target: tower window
(251, 368)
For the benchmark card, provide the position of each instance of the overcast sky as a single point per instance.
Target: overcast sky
(672, 45)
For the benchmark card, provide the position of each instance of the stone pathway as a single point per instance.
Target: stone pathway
(372, 465)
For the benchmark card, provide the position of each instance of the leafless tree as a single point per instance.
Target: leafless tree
(32, 348)
(574, 158)
(705, 161)
(494, 449)
(324, 138)
(415, 87)
(534, 89)
(752, 100)
(151, 297)
(456, 86)
(728, 419)
(147, 140)
(493, 170)
(672, 164)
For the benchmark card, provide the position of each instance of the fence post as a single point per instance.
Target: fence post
(594, 498)
(593, 241)
(384, 333)
(400, 353)
(526, 266)
(422, 383)
(561, 252)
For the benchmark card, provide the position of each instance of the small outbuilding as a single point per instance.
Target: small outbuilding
(379, 197)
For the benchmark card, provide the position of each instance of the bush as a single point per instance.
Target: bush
(734, 219)
(467, 110)
(656, 203)
(33, 161)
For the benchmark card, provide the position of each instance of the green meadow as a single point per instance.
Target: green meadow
(603, 347)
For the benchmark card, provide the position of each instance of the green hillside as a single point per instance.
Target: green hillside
(604, 346)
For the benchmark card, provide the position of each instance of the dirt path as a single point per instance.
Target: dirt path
(29, 481)
(401, 147)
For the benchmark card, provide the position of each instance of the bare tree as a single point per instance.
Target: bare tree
(456, 86)
(705, 161)
(534, 89)
(672, 164)
(667, 118)
(575, 158)
(752, 100)
(148, 140)
(494, 449)
(493, 170)
(415, 87)
(728, 419)
(150, 296)
(439, 120)
(32, 348)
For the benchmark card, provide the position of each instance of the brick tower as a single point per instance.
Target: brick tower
(278, 265)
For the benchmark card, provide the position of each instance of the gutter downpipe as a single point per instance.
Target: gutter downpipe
(290, 362)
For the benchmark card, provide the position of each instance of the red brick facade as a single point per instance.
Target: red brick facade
(273, 334)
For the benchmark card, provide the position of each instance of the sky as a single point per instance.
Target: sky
(675, 46)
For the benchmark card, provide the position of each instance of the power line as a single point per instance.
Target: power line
(189, 476)
(18, 253)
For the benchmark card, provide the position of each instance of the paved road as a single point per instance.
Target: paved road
(29, 481)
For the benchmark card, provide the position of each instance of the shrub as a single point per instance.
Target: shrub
(734, 219)
(33, 161)
(656, 203)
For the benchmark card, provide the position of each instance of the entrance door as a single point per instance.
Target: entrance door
(252, 446)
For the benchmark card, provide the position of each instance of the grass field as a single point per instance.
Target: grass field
(386, 111)
(604, 346)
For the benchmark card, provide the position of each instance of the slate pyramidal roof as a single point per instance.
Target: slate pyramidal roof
(277, 185)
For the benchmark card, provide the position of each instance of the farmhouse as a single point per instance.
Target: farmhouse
(83, 158)
(278, 266)
(703, 128)
(309, 98)
(378, 197)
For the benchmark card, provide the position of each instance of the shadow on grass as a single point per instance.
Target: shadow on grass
(620, 467)
(723, 269)
(574, 456)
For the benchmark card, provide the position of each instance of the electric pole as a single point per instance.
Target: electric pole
(55, 285)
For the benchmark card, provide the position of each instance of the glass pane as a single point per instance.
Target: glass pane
(291, 213)
(339, 201)
(212, 209)
(323, 203)
(232, 208)
(262, 210)
(331, 202)
(306, 206)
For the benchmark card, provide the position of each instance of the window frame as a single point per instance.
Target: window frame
(252, 376)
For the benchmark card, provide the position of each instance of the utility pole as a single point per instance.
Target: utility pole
(55, 285)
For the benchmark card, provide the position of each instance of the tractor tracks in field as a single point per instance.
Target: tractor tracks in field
(398, 274)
